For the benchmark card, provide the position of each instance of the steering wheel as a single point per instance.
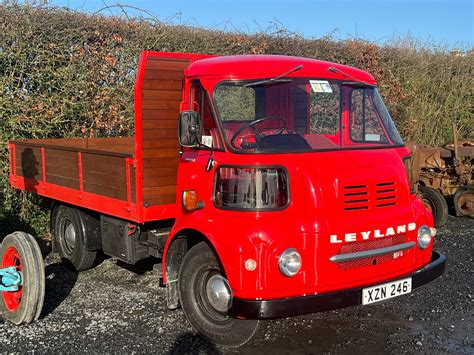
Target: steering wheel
(258, 134)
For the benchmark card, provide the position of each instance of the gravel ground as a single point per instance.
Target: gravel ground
(116, 308)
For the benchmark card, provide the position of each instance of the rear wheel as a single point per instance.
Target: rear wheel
(464, 201)
(436, 203)
(21, 252)
(206, 297)
(69, 239)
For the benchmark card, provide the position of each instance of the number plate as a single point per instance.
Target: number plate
(385, 291)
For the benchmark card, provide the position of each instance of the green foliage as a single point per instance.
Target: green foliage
(235, 102)
(65, 73)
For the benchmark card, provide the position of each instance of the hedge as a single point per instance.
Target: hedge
(65, 73)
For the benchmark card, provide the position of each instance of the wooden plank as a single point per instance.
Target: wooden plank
(176, 85)
(160, 143)
(28, 165)
(62, 181)
(159, 181)
(28, 162)
(29, 173)
(157, 172)
(162, 105)
(168, 59)
(87, 150)
(64, 163)
(28, 149)
(105, 179)
(63, 156)
(53, 143)
(110, 140)
(160, 114)
(157, 124)
(162, 95)
(129, 150)
(166, 152)
(156, 74)
(160, 133)
(167, 65)
(78, 142)
(161, 163)
(106, 190)
(162, 200)
(159, 191)
(103, 164)
(60, 170)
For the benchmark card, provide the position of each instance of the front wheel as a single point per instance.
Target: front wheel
(206, 297)
(22, 268)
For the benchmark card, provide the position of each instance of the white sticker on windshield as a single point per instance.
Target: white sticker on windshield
(207, 141)
(372, 137)
(320, 86)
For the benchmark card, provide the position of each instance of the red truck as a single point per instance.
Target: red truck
(269, 186)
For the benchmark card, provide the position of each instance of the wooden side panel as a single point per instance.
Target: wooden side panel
(162, 91)
(62, 168)
(104, 175)
(28, 162)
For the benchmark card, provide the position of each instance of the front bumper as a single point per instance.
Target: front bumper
(288, 307)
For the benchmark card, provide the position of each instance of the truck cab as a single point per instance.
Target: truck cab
(288, 193)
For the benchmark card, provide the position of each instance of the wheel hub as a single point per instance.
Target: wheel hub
(12, 279)
(219, 293)
(70, 235)
(465, 203)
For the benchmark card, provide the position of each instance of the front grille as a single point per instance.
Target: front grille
(369, 245)
(363, 197)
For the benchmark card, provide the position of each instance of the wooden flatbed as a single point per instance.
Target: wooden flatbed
(133, 178)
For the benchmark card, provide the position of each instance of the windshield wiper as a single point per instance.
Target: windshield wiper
(355, 82)
(276, 79)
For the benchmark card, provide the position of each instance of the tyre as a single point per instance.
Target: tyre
(20, 250)
(206, 296)
(69, 237)
(436, 203)
(464, 201)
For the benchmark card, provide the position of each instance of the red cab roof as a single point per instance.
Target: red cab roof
(240, 67)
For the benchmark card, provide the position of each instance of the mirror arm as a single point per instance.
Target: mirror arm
(210, 162)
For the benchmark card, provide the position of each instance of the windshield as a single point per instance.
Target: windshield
(299, 115)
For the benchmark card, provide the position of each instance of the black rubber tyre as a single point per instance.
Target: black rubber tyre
(462, 206)
(69, 237)
(436, 203)
(199, 264)
(25, 305)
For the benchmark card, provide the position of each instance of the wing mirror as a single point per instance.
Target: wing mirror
(190, 129)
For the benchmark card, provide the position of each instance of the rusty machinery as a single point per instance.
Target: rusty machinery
(445, 172)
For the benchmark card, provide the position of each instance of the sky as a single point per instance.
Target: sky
(447, 23)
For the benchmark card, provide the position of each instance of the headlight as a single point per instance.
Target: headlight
(251, 188)
(289, 262)
(424, 237)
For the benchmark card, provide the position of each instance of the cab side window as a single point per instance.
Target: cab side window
(201, 104)
(365, 124)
